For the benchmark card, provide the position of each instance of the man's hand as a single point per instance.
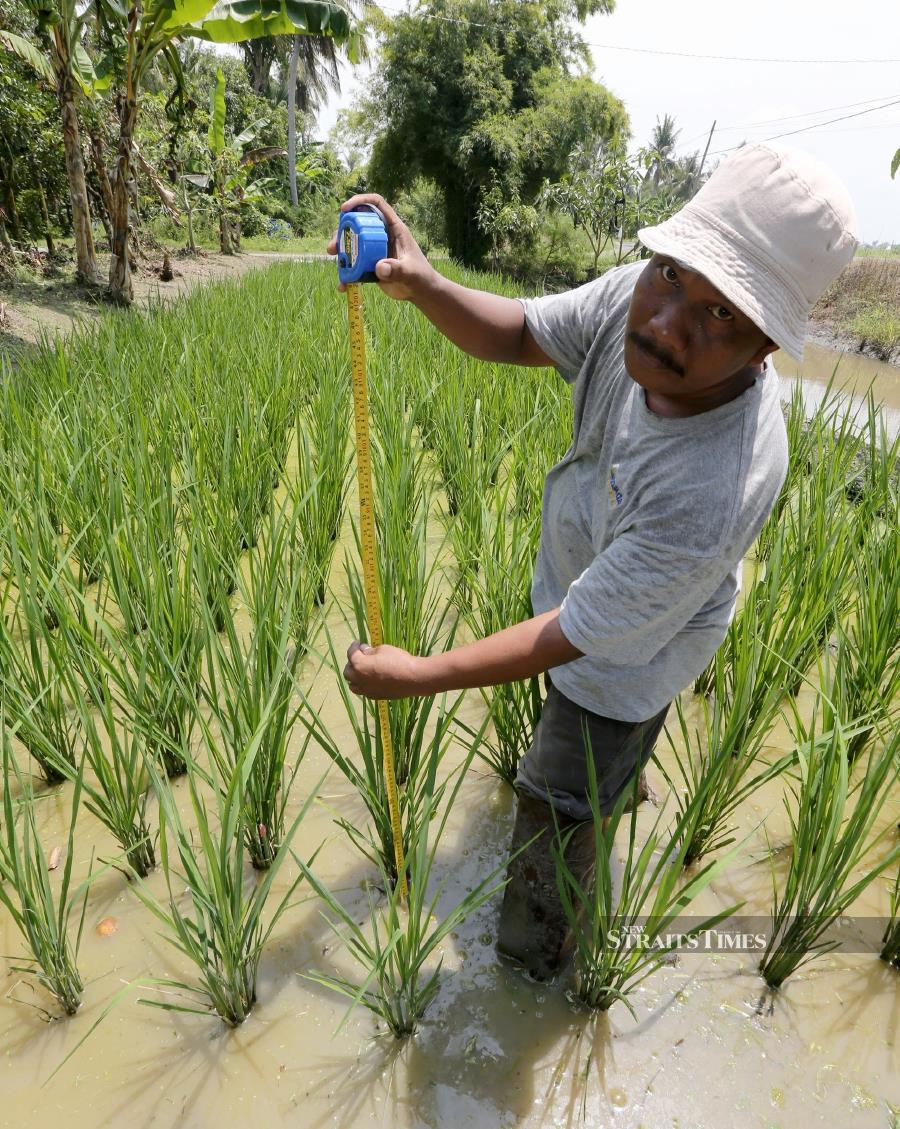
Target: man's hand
(382, 672)
(406, 272)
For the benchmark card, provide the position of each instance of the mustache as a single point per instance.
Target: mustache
(650, 346)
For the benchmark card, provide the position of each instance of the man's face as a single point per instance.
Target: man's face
(686, 343)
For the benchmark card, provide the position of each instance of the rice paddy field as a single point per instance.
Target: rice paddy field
(201, 920)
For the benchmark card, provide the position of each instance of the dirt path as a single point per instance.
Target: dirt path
(29, 310)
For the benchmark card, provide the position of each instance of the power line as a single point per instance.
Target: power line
(647, 50)
(816, 125)
(792, 117)
(735, 58)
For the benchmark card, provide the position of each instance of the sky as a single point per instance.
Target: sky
(754, 101)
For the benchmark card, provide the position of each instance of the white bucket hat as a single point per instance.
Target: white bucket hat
(770, 229)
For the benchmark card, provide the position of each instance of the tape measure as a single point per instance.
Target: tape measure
(361, 243)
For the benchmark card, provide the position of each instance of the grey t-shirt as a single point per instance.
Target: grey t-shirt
(646, 518)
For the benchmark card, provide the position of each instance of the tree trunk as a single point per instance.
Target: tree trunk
(292, 118)
(225, 247)
(261, 55)
(121, 290)
(12, 211)
(98, 155)
(48, 233)
(86, 269)
(189, 212)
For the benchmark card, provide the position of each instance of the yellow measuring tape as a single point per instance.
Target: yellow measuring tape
(369, 559)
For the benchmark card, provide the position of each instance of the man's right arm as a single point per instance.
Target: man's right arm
(488, 326)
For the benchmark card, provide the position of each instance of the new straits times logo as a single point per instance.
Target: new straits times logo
(711, 940)
(745, 934)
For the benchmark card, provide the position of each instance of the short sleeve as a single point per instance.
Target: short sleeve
(565, 325)
(635, 597)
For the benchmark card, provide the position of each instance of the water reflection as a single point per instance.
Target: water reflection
(853, 375)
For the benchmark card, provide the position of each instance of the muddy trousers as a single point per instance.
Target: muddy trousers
(551, 787)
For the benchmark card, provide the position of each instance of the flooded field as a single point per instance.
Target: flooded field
(853, 375)
(709, 1045)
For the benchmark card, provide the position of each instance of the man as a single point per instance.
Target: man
(679, 451)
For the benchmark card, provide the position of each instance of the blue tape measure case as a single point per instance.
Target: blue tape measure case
(362, 241)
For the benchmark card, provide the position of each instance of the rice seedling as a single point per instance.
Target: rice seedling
(867, 662)
(42, 915)
(469, 449)
(414, 612)
(425, 752)
(877, 480)
(721, 763)
(31, 654)
(802, 591)
(168, 662)
(249, 687)
(823, 443)
(215, 556)
(141, 539)
(501, 596)
(220, 926)
(323, 484)
(157, 670)
(80, 445)
(324, 455)
(643, 903)
(114, 747)
(398, 949)
(720, 766)
(890, 951)
(830, 822)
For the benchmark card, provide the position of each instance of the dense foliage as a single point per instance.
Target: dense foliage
(486, 99)
(480, 122)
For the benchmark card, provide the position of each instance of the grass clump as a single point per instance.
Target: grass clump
(220, 926)
(41, 914)
(398, 949)
(645, 901)
(501, 595)
(864, 301)
(830, 822)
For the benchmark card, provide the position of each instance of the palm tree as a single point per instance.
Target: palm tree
(259, 57)
(662, 144)
(312, 71)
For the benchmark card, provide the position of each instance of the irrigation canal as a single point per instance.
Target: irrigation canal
(853, 373)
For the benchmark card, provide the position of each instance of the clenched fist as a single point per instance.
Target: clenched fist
(383, 672)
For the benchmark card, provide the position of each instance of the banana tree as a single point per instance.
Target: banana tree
(151, 28)
(231, 162)
(66, 65)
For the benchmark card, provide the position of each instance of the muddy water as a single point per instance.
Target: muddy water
(853, 375)
(494, 1050)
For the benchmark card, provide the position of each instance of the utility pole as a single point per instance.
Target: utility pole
(705, 151)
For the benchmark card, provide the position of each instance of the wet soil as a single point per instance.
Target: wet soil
(707, 1045)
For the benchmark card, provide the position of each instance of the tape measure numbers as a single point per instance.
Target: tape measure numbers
(363, 263)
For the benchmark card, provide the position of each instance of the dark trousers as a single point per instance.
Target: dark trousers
(554, 769)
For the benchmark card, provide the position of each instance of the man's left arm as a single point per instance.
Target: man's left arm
(516, 652)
